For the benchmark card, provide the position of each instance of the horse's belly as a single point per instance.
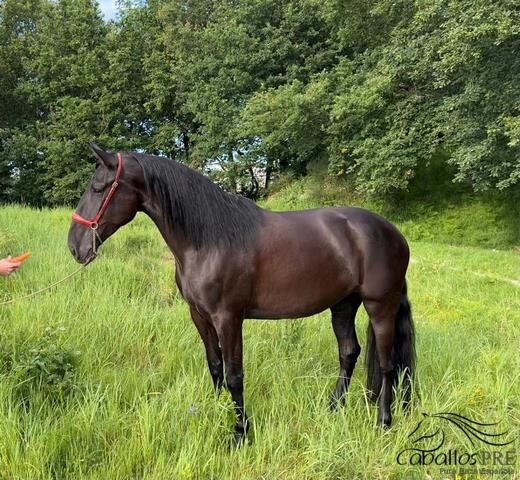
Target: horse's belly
(301, 292)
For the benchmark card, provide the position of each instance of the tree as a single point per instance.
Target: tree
(443, 82)
(246, 88)
(18, 156)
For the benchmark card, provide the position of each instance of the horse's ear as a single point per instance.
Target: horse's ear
(102, 156)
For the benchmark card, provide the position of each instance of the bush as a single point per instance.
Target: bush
(45, 367)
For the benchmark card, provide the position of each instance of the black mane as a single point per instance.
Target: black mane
(193, 205)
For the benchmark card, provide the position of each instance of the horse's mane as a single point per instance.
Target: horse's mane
(193, 205)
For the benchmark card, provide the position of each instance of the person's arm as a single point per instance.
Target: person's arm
(7, 267)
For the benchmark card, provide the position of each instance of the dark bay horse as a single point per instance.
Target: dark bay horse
(235, 260)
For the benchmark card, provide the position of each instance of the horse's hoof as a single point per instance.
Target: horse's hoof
(336, 403)
(239, 439)
(384, 421)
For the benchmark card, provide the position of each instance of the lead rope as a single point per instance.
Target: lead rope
(52, 285)
(94, 236)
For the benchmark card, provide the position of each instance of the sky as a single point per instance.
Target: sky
(108, 7)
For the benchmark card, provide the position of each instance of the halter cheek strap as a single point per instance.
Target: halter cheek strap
(94, 223)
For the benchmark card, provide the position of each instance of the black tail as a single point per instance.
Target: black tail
(403, 353)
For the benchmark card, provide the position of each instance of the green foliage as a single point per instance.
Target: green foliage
(423, 78)
(252, 88)
(44, 367)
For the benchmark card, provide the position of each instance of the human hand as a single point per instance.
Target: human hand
(7, 267)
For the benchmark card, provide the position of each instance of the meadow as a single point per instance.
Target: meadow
(104, 377)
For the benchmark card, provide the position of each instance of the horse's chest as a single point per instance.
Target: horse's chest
(213, 286)
(187, 285)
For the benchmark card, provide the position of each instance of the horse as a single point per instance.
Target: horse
(237, 261)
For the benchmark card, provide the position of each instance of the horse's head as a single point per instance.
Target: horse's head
(112, 199)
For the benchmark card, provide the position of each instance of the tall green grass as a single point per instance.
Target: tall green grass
(105, 376)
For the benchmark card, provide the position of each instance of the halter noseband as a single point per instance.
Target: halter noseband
(94, 223)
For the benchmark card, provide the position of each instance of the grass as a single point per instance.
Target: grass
(105, 376)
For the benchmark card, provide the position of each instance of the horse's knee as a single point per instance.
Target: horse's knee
(235, 381)
(351, 354)
(387, 367)
(215, 368)
(354, 352)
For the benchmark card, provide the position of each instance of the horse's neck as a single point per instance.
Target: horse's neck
(177, 243)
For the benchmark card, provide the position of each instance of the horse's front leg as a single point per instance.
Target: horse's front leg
(229, 331)
(213, 351)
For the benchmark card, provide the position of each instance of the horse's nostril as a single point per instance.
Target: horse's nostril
(73, 251)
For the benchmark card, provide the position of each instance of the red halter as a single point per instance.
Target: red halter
(93, 224)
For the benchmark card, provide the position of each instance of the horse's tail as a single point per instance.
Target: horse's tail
(403, 353)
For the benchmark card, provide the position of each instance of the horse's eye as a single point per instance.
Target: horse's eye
(98, 187)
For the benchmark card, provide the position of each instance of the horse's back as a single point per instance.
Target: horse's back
(370, 232)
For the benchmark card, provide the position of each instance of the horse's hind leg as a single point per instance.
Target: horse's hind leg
(382, 315)
(343, 322)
